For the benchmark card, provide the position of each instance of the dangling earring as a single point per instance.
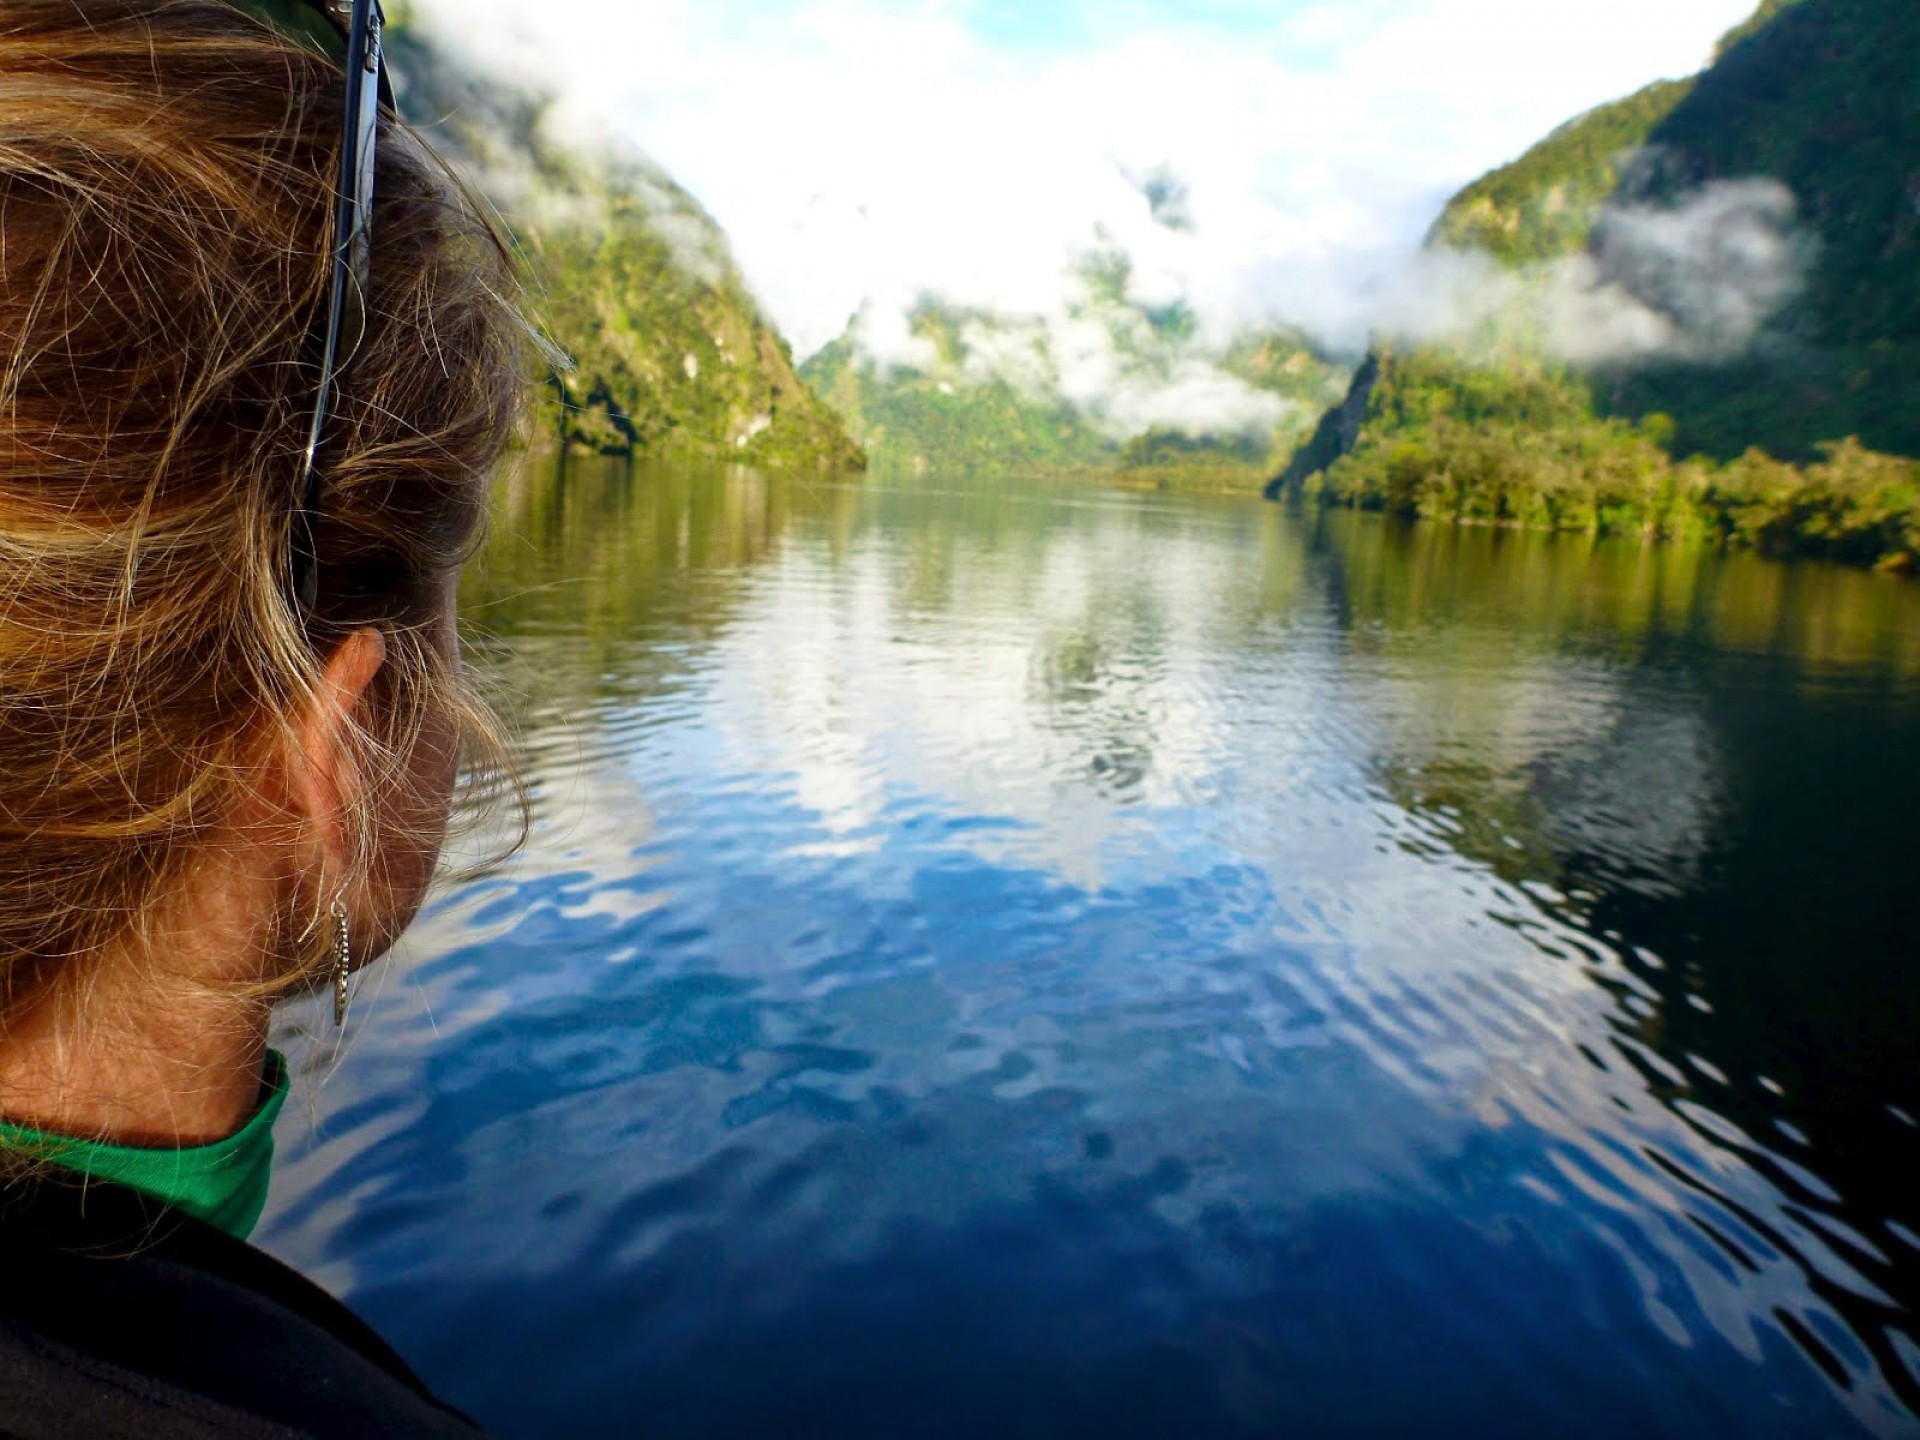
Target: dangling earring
(342, 962)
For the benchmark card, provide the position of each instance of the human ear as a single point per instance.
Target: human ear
(327, 784)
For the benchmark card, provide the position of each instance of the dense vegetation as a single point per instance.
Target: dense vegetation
(1822, 97)
(1779, 446)
(1544, 204)
(633, 281)
(941, 418)
(1446, 440)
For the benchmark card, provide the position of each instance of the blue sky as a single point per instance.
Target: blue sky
(1061, 28)
(863, 152)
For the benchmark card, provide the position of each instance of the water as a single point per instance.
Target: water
(1032, 962)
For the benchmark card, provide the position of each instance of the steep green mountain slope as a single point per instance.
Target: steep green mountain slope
(1150, 403)
(1823, 96)
(1816, 95)
(1544, 204)
(634, 281)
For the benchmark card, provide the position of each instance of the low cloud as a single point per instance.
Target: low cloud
(999, 210)
(866, 152)
(494, 114)
(1191, 394)
(1697, 280)
(1098, 350)
(1720, 265)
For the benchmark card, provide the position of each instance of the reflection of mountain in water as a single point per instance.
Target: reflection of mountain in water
(1639, 798)
(1097, 958)
(1574, 760)
(1706, 769)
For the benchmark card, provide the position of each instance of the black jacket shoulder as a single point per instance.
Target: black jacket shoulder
(119, 1317)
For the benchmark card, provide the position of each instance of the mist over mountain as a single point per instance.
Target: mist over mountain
(1762, 218)
(1696, 310)
(1120, 378)
(666, 351)
(1819, 97)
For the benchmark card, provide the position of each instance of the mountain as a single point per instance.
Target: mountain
(1696, 312)
(1820, 96)
(1545, 203)
(1111, 386)
(633, 280)
(949, 415)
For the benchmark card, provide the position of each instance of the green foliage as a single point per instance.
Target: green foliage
(1288, 363)
(1106, 275)
(668, 362)
(1444, 439)
(1161, 446)
(1790, 448)
(1543, 205)
(1769, 10)
(1168, 459)
(1820, 95)
(944, 422)
(632, 280)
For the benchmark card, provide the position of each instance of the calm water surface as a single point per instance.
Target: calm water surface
(1024, 962)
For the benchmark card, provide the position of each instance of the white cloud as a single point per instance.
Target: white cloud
(1721, 263)
(864, 152)
(1695, 279)
(1187, 391)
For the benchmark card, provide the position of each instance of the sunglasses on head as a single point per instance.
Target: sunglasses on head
(351, 41)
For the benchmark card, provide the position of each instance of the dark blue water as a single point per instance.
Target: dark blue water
(1035, 962)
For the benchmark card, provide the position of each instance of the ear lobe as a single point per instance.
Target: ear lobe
(328, 783)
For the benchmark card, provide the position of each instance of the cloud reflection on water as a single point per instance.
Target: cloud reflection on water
(907, 858)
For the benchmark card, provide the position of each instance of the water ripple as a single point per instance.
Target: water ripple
(1000, 960)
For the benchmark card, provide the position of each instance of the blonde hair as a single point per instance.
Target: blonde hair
(165, 190)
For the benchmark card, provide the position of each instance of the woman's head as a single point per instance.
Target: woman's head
(166, 179)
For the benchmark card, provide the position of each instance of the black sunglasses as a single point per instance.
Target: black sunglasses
(352, 42)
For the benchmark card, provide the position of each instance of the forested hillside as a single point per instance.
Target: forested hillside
(936, 416)
(1545, 203)
(1823, 97)
(633, 280)
(1760, 226)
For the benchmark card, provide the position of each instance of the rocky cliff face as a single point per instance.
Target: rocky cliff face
(670, 355)
(1337, 433)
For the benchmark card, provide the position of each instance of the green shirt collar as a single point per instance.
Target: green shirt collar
(224, 1184)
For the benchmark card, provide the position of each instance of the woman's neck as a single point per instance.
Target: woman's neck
(161, 1048)
(189, 1079)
